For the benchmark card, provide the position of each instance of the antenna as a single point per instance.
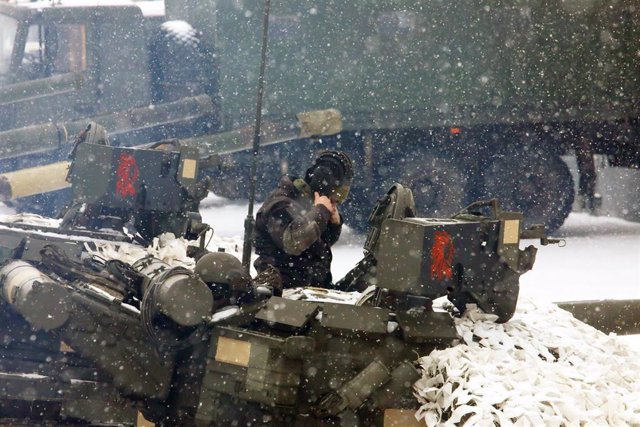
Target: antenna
(249, 221)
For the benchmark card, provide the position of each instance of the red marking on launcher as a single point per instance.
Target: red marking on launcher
(441, 256)
(127, 174)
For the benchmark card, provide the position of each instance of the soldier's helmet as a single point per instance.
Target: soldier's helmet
(331, 175)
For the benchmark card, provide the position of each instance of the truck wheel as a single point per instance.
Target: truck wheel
(437, 182)
(52, 204)
(356, 209)
(536, 183)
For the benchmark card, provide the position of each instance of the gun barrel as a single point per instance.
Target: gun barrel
(129, 126)
(34, 89)
(307, 124)
(36, 180)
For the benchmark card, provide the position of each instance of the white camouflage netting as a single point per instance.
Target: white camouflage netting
(166, 247)
(543, 367)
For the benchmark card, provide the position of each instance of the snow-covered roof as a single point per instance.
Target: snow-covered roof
(149, 8)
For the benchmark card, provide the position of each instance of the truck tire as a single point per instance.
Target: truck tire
(52, 204)
(437, 182)
(537, 183)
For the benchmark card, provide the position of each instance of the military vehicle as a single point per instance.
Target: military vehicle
(58, 62)
(58, 65)
(91, 340)
(459, 100)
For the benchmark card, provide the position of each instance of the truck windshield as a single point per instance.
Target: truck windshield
(54, 49)
(8, 28)
(48, 49)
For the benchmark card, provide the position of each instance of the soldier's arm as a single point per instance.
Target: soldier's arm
(294, 233)
(332, 233)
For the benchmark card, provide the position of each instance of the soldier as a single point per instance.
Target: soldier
(299, 222)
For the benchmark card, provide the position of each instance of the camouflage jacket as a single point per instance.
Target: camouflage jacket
(295, 236)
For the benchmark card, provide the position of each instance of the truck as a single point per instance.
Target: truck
(59, 66)
(457, 101)
(59, 61)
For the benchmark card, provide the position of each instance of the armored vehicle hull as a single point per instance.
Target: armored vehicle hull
(201, 343)
(98, 327)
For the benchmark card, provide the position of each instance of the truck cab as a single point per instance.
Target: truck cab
(70, 59)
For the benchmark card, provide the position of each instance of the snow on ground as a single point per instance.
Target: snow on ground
(601, 260)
